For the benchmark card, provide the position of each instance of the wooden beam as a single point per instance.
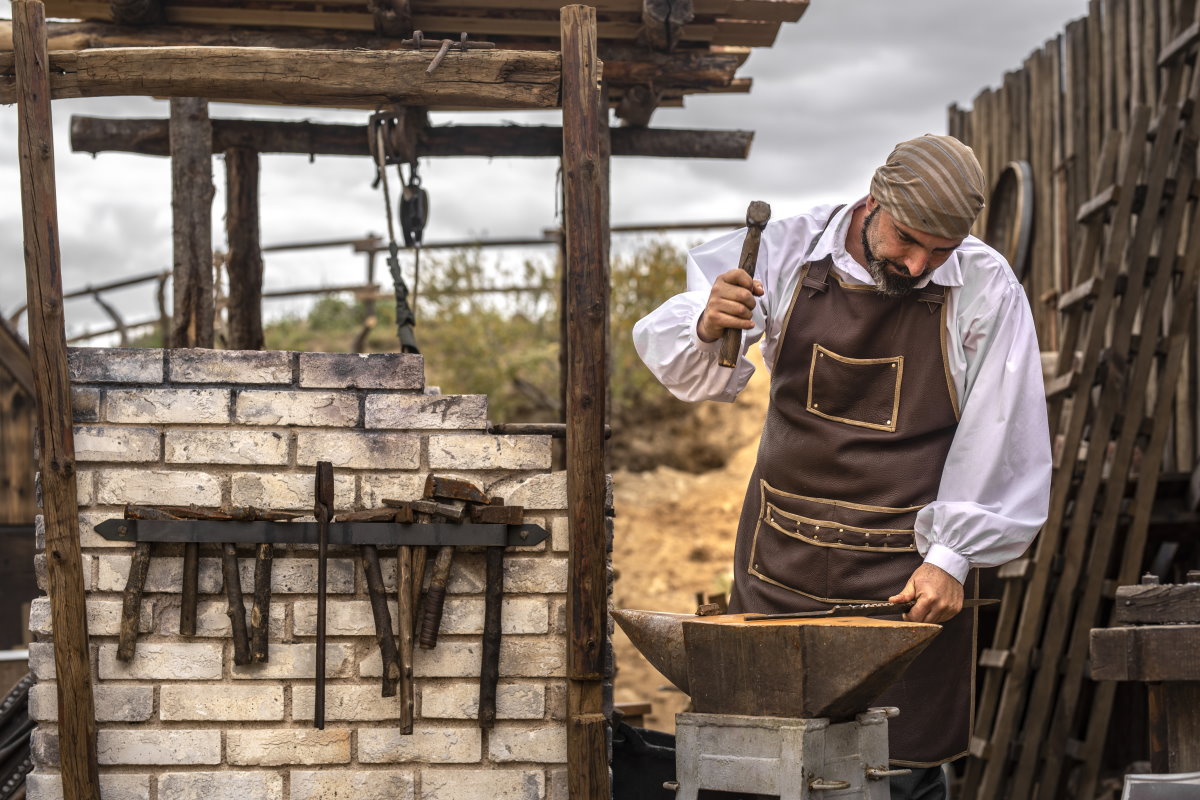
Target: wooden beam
(624, 64)
(191, 205)
(136, 12)
(149, 137)
(476, 79)
(584, 170)
(663, 21)
(244, 263)
(55, 437)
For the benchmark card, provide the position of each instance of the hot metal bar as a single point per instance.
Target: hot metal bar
(432, 534)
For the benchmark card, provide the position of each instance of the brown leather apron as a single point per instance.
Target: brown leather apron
(862, 414)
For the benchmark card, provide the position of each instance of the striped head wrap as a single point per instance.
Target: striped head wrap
(933, 184)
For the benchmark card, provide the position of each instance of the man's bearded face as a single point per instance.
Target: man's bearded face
(891, 278)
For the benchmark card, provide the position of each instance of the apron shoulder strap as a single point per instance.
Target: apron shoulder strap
(816, 277)
(933, 296)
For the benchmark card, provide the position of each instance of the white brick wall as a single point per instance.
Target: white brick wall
(181, 720)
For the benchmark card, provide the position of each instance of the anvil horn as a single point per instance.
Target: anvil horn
(658, 636)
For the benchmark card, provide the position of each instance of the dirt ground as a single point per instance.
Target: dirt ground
(673, 538)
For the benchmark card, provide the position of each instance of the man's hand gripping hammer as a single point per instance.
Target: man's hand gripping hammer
(757, 216)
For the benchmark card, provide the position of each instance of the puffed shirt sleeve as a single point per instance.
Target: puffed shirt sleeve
(666, 339)
(995, 487)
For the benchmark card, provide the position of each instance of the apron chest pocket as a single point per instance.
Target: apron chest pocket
(856, 391)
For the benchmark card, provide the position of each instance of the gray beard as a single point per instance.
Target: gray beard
(886, 282)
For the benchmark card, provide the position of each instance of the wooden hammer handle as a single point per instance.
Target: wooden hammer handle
(756, 219)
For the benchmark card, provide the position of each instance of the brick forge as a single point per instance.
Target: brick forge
(181, 721)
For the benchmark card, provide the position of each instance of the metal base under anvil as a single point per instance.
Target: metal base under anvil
(792, 759)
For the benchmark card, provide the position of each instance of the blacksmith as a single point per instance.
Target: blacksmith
(906, 440)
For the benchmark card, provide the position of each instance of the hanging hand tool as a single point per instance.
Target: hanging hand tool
(757, 216)
(323, 510)
(446, 497)
(383, 619)
(404, 610)
(861, 610)
(260, 612)
(191, 584)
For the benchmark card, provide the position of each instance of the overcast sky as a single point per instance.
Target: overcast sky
(830, 99)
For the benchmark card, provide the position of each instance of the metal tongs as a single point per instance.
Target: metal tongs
(860, 610)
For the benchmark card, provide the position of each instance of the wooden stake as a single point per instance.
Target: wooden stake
(191, 205)
(260, 612)
(245, 264)
(587, 312)
(56, 451)
(404, 625)
(236, 607)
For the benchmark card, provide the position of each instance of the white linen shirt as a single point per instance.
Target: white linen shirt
(995, 487)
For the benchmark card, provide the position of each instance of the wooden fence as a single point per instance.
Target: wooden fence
(1104, 118)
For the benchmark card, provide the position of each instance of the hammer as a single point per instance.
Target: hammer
(756, 219)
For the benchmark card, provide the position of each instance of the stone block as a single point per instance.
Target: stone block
(424, 412)
(43, 747)
(109, 443)
(343, 703)
(362, 371)
(212, 618)
(560, 534)
(472, 784)
(115, 365)
(159, 661)
(452, 658)
(322, 409)
(464, 615)
(220, 702)
(523, 742)
(162, 747)
(260, 785)
(103, 617)
(533, 574)
(342, 618)
(85, 487)
(85, 404)
(460, 700)
(48, 786)
(161, 406)
(297, 662)
(187, 365)
(396, 486)
(344, 784)
(458, 744)
(359, 449)
(532, 657)
(483, 451)
(41, 660)
(287, 491)
(229, 446)
(157, 487)
(112, 703)
(546, 492)
(271, 748)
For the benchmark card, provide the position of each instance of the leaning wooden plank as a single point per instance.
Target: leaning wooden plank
(1016, 686)
(1150, 313)
(1083, 536)
(479, 78)
(56, 444)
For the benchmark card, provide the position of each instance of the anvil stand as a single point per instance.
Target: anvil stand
(793, 759)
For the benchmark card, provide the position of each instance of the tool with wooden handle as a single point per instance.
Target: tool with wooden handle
(323, 510)
(862, 610)
(435, 597)
(757, 216)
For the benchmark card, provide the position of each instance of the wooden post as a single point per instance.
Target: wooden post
(191, 206)
(56, 451)
(587, 310)
(245, 264)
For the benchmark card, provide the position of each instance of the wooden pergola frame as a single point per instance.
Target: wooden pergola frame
(571, 80)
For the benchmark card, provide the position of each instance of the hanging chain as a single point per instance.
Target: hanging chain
(405, 319)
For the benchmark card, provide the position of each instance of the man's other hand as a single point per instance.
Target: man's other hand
(729, 304)
(938, 594)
